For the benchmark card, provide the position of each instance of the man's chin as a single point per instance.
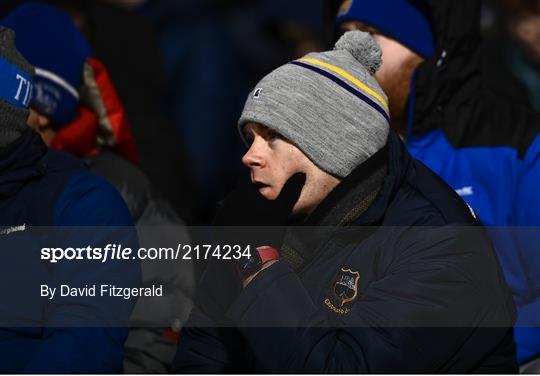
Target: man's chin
(268, 193)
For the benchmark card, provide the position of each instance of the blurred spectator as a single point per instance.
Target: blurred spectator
(95, 128)
(214, 51)
(514, 47)
(40, 187)
(485, 145)
(201, 73)
(126, 44)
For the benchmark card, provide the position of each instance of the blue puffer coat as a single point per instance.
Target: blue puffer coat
(40, 188)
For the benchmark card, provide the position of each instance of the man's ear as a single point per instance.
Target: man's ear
(31, 121)
(44, 121)
(42, 125)
(38, 121)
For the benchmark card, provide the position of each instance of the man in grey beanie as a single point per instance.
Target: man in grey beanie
(361, 282)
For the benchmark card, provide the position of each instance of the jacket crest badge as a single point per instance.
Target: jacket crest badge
(345, 290)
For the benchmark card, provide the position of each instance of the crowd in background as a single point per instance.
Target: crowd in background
(171, 61)
(183, 69)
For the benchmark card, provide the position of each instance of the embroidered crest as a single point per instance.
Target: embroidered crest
(345, 290)
(346, 286)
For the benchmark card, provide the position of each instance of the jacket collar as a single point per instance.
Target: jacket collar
(353, 196)
(398, 162)
(382, 174)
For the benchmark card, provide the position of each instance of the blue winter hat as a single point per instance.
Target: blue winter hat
(50, 41)
(399, 19)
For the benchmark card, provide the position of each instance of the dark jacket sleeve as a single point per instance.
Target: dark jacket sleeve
(205, 347)
(434, 280)
(208, 342)
(70, 341)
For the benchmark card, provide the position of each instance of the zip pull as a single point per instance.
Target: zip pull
(441, 60)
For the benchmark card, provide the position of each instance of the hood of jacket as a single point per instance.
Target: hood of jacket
(449, 90)
(454, 64)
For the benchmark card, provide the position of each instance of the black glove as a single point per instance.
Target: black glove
(245, 206)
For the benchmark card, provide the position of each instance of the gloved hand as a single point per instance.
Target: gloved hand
(245, 206)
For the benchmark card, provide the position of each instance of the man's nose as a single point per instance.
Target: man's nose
(253, 157)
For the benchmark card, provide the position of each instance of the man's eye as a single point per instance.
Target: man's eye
(273, 136)
(248, 138)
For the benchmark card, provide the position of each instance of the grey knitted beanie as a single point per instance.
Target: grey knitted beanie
(328, 104)
(16, 76)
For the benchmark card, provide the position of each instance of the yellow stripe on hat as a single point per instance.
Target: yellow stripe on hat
(349, 77)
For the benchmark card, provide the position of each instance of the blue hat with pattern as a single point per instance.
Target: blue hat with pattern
(49, 40)
(16, 76)
(403, 20)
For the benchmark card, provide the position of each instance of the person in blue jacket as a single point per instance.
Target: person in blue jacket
(485, 146)
(383, 267)
(44, 189)
(66, 101)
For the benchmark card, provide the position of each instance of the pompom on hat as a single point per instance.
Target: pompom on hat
(328, 104)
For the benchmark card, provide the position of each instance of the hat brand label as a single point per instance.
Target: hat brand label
(257, 93)
(15, 84)
(24, 89)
